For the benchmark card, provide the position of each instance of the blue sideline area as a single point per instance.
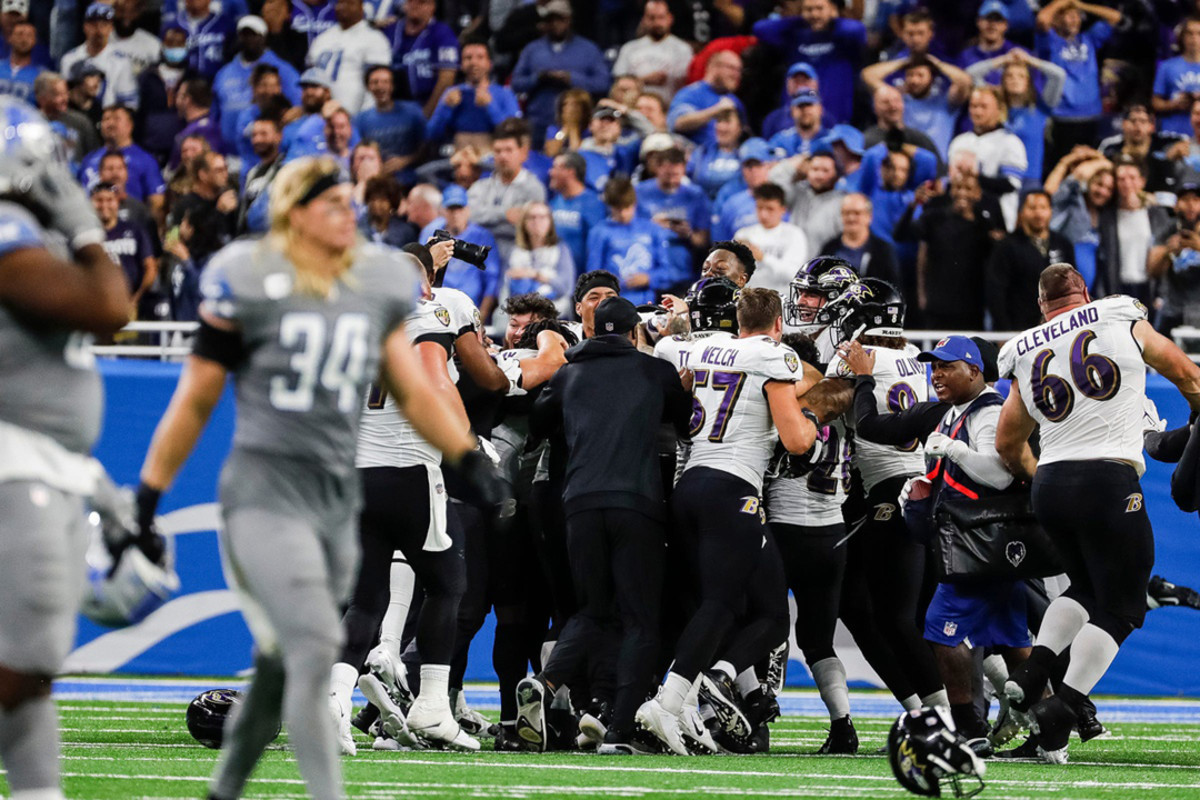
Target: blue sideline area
(197, 635)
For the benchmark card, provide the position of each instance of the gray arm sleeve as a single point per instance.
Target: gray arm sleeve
(982, 462)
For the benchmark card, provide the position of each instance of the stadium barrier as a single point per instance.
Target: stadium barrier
(201, 633)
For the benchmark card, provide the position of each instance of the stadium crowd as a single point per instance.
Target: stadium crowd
(953, 150)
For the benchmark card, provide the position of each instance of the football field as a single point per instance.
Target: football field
(127, 739)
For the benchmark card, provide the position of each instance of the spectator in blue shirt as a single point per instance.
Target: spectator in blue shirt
(145, 179)
(305, 132)
(481, 285)
(991, 43)
(211, 37)
(834, 46)
(735, 207)
(16, 11)
(1177, 82)
(18, 71)
(233, 86)
(576, 208)
(311, 18)
(695, 107)
(806, 128)
(558, 60)
(889, 198)
(609, 147)
(478, 104)
(424, 49)
(193, 102)
(629, 246)
(716, 163)
(927, 106)
(800, 77)
(397, 127)
(126, 244)
(682, 209)
(1062, 41)
(269, 101)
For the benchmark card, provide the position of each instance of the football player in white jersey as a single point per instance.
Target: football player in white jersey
(805, 514)
(885, 565)
(746, 402)
(818, 298)
(1081, 377)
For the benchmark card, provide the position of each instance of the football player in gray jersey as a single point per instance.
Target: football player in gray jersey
(50, 410)
(304, 319)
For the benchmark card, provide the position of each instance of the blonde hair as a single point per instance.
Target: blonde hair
(292, 182)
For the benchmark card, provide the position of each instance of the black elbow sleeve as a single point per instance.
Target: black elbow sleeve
(224, 347)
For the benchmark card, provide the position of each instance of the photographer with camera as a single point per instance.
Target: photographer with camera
(475, 268)
(1175, 260)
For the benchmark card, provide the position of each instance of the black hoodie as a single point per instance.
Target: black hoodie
(609, 400)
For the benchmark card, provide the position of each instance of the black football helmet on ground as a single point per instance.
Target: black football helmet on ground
(826, 276)
(877, 311)
(925, 751)
(208, 713)
(712, 305)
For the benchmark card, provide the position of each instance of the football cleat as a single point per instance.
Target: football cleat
(1027, 751)
(341, 722)
(392, 673)
(842, 739)
(658, 724)
(532, 694)
(1053, 720)
(383, 742)
(367, 720)
(1088, 725)
(437, 727)
(623, 749)
(592, 728)
(695, 734)
(1007, 725)
(1024, 686)
(507, 741)
(469, 719)
(716, 690)
(777, 668)
(391, 718)
(1162, 592)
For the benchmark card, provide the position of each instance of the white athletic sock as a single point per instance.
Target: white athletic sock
(725, 667)
(747, 682)
(341, 685)
(1063, 621)
(674, 690)
(403, 580)
(435, 685)
(995, 669)
(830, 675)
(1091, 653)
(913, 701)
(938, 698)
(39, 794)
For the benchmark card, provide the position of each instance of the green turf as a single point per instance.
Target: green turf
(124, 750)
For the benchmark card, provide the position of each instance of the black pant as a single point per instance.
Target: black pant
(1096, 514)
(880, 596)
(815, 565)
(395, 516)
(735, 568)
(617, 558)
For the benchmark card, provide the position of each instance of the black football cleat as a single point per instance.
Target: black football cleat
(507, 740)
(1027, 751)
(1162, 592)
(1025, 686)
(716, 690)
(1052, 719)
(842, 739)
(1087, 724)
(365, 718)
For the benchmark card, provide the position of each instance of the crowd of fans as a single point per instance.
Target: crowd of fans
(954, 150)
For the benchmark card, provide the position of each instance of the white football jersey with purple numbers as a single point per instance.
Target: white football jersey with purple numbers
(815, 499)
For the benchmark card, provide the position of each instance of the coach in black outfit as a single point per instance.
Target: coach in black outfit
(609, 400)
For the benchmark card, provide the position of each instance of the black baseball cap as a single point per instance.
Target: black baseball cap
(616, 316)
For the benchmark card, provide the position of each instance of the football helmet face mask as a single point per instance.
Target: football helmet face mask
(132, 590)
(925, 751)
(28, 145)
(878, 310)
(811, 293)
(712, 305)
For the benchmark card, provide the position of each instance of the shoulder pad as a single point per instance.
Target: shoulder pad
(1121, 307)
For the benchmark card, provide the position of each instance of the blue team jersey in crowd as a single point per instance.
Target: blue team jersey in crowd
(234, 95)
(697, 97)
(932, 115)
(207, 42)
(628, 250)
(792, 143)
(837, 54)
(1029, 125)
(574, 219)
(399, 132)
(1080, 58)
(129, 245)
(1176, 76)
(421, 56)
(688, 203)
(470, 280)
(734, 214)
(867, 176)
(711, 168)
(145, 178)
(312, 21)
(467, 117)
(19, 82)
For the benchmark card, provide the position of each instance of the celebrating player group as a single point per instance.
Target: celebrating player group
(633, 493)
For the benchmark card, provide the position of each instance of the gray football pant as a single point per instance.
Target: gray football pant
(291, 578)
(42, 542)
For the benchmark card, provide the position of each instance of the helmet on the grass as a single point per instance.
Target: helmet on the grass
(925, 751)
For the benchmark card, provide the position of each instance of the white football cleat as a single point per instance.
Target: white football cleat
(664, 726)
(392, 673)
(341, 724)
(532, 696)
(437, 726)
(695, 734)
(391, 717)
(470, 720)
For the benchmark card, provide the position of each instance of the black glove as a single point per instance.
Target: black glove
(483, 479)
(147, 538)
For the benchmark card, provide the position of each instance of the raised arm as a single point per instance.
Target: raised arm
(1172, 363)
(875, 75)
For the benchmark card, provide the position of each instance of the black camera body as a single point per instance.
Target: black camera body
(473, 254)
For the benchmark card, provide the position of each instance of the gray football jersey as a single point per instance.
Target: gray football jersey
(48, 379)
(308, 359)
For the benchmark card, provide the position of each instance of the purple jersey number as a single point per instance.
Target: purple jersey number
(1095, 376)
(900, 397)
(833, 466)
(730, 383)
